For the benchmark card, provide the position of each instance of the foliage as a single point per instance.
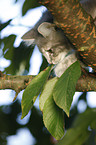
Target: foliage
(10, 126)
(52, 115)
(32, 91)
(2, 26)
(81, 130)
(55, 98)
(65, 87)
(16, 55)
(29, 5)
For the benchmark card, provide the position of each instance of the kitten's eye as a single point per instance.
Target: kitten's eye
(56, 28)
(50, 51)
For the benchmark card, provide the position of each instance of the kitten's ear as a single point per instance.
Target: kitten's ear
(30, 35)
(45, 29)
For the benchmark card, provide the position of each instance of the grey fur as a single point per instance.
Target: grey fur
(53, 43)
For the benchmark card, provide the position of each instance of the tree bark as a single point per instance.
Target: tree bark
(86, 82)
(77, 25)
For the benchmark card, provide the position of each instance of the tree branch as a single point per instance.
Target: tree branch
(17, 83)
(77, 25)
(86, 82)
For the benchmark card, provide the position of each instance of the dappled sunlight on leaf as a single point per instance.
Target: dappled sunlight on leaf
(65, 87)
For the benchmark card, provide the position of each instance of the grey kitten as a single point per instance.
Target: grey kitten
(52, 41)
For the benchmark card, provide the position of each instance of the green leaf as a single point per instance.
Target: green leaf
(32, 91)
(19, 63)
(47, 92)
(52, 115)
(29, 5)
(93, 124)
(79, 134)
(53, 118)
(87, 118)
(2, 26)
(8, 44)
(65, 87)
(44, 64)
(74, 137)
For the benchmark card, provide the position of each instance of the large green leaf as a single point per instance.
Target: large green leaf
(65, 87)
(32, 91)
(47, 92)
(52, 114)
(53, 118)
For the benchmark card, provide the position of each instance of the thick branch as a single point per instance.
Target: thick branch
(18, 83)
(77, 25)
(86, 83)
